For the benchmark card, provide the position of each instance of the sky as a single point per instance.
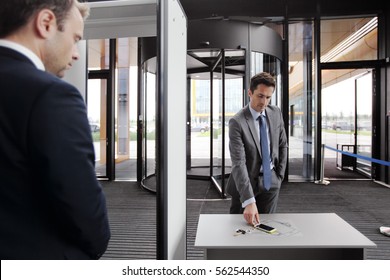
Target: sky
(340, 97)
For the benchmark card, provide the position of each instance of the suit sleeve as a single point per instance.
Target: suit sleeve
(63, 155)
(238, 158)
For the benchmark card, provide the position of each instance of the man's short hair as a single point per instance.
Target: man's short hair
(16, 13)
(262, 78)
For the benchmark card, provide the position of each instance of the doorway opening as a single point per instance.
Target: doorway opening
(347, 105)
(112, 106)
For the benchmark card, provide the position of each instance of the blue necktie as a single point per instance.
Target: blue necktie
(265, 153)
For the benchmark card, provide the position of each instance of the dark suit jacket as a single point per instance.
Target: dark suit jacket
(51, 204)
(245, 151)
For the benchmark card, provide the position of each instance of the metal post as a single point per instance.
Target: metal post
(322, 181)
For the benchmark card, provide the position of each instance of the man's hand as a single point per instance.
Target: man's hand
(251, 214)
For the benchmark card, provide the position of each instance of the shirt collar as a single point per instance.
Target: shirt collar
(25, 51)
(255, 114)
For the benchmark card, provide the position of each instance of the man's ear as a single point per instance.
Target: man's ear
(45, 23)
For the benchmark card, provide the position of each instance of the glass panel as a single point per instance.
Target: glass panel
(150, 123)
(342, 92)
(200, 126)
(338, 117)
(200, 119)
(364, 121)
(349, 39)
(257, 64)
(96, 107)
(98, 54)
(233, 103)
(261, 62)
(302, 100)
(126, 110)
(217, 126)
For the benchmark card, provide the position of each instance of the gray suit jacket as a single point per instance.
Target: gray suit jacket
(245, 151)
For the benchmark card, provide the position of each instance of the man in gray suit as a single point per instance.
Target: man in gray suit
(247, 184)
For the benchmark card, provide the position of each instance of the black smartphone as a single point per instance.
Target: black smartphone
(265, 228)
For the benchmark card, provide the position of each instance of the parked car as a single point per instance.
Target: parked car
(200, 128)
(364, 125)
(94, 127)
(342, 125)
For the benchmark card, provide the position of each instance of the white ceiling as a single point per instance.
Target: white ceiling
(121, 18)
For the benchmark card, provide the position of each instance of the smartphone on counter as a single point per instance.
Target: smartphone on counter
(265, 228)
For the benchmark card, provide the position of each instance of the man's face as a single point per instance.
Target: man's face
(260, 97)
(61, 49)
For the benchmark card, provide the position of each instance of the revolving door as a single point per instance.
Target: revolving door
(219, 68)
(214, 94)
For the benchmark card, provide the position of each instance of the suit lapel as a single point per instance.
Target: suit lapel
(252, 129)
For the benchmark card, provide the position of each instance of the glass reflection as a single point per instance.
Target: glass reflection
(302, 102)
(349, 39)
